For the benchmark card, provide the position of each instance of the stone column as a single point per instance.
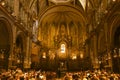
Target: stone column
(27, 59)
(108, 46)
(12, 50)
(12, 47)
(96, 64)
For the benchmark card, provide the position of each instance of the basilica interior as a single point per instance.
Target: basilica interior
(65, 35)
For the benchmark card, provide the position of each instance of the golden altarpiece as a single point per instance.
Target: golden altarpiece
(62, 32)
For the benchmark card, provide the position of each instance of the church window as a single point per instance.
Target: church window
(62, 48)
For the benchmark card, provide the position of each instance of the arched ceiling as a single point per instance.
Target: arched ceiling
(61, 17)
(62, 13)
(62, 20)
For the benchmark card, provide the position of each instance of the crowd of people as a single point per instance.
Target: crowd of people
(92, 75)
(18, 74)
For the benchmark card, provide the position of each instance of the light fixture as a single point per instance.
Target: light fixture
(74, 57)
(81, 56)
(2, 3)
(62, 48)
(44, 55)
(18, 61)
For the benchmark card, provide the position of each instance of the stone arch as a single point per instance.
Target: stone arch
(62, 13)
(115, 43)
(59, 14)
(20, 49)
(113, 20)
(52, 19)
(6, 40)
(68, 8)
(113, 28)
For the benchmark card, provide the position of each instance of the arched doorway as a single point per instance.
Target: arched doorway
(19, 54)
(4, 45)
(116, 51)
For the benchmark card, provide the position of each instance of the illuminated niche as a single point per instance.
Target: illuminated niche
(62, 48)
(44, 55)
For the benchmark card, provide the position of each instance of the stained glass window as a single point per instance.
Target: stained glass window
(62, 48)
